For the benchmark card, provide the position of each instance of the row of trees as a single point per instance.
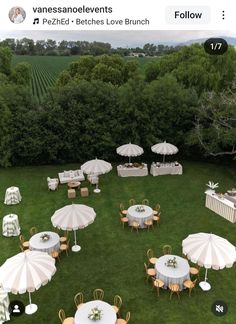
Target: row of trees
(101, 103)
(27, 46)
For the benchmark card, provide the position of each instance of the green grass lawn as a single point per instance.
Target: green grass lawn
(112, 258)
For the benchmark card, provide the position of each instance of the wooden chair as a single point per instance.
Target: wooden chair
(167, 249)
(33, 231)
(157, 283)
(124, 220)
(174, 288)
(55, 254)
(65, 247)
(149, 223)
(64, 238)
(24, 244)
(135, 225)
(145, 202)
(79, 299)
(132, 202)
(194, 271)
(150, 272)
(117, 304)
(98, 294)
(64, 319)
(156, 218)
(124, 321)
(151, 258)
(156, 209)
(123, 210)
(190, 285)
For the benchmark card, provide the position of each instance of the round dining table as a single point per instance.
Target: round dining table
(139, 216)
(108, 313)
(52, 244)
(10, 225)
(171, 275)
(12, 196)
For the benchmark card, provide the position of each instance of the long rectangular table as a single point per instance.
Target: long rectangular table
(132, 172)
(166, 168)
(220, 206)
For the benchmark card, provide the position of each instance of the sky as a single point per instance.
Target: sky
(119, 38)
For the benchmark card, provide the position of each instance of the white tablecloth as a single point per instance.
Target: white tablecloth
(10, 225)
(53, 244)
(132, 172)
(172, 275)
(139, 217)
(220, 206)
(4, 304)
(108, 313)
(12, 196)
(166, 168)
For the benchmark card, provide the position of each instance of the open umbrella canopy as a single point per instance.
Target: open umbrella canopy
(129, 150)
(164, 148)
(209, 251)
(96, 167)
(27, 271)
(73, 217)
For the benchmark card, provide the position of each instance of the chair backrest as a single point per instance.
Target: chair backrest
(121, 215)
(22, 239)
(68, 244)
(48, 179)
(167, 249)
(157, 207)
(62, 315)
(117, 301)
(127, 317)
(79, 298)
(98, 294)
(21, 247)
(150, 253)
(132, 202)
(145, 202)
(33, 231)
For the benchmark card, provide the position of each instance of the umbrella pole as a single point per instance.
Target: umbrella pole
(129, 159)
(205, 275)
(164, 158)
(75, 247)
(31, 308)
(97, 190)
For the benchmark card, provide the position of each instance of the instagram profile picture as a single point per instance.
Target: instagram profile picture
(17, 15)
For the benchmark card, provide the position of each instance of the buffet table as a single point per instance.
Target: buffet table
(221, 206)
(170, 275)
(10, 225)
(140, 217)
(108, 313)
(126, 171)
(52, 244)
(165, 168)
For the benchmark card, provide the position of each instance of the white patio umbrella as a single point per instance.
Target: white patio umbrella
(96, 167)
(209, 251)
(129, 150)
(164, 149)
(73, 217)
(27, 271)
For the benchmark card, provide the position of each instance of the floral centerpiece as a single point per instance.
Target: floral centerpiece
(95, 315)
(171, 263)
(45, 237)
(139, 209)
